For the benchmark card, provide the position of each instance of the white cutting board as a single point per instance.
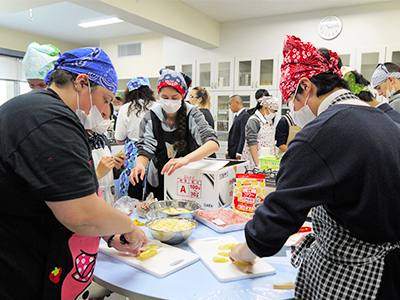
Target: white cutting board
(169, 260)
(207, 248)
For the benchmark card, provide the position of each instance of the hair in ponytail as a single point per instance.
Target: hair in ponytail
(182, 127)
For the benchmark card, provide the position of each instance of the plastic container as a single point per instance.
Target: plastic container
(269, 162)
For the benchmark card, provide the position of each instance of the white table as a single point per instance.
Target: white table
(194, 281)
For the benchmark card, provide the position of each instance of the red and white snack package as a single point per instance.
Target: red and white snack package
(249, 190)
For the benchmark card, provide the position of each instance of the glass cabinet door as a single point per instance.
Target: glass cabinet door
(244, 73)
(188, 69)
(204, 75)
(266, 72)
(368, 59)
(224, 75)
(223, 116)
(348, 57)
(393, 54)
(369, 63)
(396, 57)
(171, 67)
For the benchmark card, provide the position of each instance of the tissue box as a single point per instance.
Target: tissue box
(210, 182)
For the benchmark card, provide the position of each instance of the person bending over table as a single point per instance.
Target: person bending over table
(50, 215)
(340, 166)
(171, 134)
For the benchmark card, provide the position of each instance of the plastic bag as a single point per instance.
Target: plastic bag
(126, 204)
(143, 208)
(266, 292)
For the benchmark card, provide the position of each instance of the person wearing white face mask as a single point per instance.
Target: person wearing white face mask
(107, 166)
(386, 80)
(260, 128)
(341, 168)
(46, 168)
(172, 134)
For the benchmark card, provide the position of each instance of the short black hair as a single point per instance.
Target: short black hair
(326, 83)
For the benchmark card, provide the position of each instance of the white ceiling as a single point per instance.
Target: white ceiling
(234, 10)
(59, 20)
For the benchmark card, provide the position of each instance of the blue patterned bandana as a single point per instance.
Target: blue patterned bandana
(137, 82)
(91, 61)
(178, 80)
(382, 74)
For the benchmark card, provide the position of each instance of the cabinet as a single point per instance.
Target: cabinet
(215, 74)
(221, 113)
(187, 67)
(367, 59)
(254, 72)
(393, 54)
(348, 57)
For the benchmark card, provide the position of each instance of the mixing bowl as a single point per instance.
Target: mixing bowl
(171, 230)
(180, 208)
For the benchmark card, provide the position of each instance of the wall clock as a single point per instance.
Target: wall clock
(329, 27)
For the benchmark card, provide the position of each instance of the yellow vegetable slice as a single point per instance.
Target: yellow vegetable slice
(220, 259)
(227, 246)
(224, 254)
(241, 262)
(152, 247)
(147, 254)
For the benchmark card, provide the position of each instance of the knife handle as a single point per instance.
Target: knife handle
(123, 240)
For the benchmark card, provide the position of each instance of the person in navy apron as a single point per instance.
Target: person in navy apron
(340, 166)
(172, 134)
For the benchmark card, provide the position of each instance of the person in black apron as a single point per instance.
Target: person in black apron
(172, 134)
(341, 167)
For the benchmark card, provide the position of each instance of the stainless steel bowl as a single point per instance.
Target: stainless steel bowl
(175, 206)
(171, 237)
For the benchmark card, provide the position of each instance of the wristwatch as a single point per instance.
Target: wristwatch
(110, 239)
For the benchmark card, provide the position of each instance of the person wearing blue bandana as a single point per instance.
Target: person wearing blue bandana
(49, 186)
(386, 80)
(138, 98)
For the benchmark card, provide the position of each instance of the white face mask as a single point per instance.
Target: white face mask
(94, 120)
(270, 116)
(391, 92)
(302, 116)
(117, 107)
(170, 106)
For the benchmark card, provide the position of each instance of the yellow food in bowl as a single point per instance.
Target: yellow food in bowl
(174, 211)
(171, 224)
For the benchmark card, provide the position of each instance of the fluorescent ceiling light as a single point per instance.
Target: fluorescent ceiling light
(100, 22)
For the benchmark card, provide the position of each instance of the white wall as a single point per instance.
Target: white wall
(363, 26)
(147, 65)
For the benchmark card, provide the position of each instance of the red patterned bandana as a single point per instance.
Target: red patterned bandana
(302, 59)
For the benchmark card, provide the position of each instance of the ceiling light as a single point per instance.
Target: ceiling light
(100, 22)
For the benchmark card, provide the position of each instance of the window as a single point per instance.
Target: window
(12, 79)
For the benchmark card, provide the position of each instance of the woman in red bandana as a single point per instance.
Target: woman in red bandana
(334, 167)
